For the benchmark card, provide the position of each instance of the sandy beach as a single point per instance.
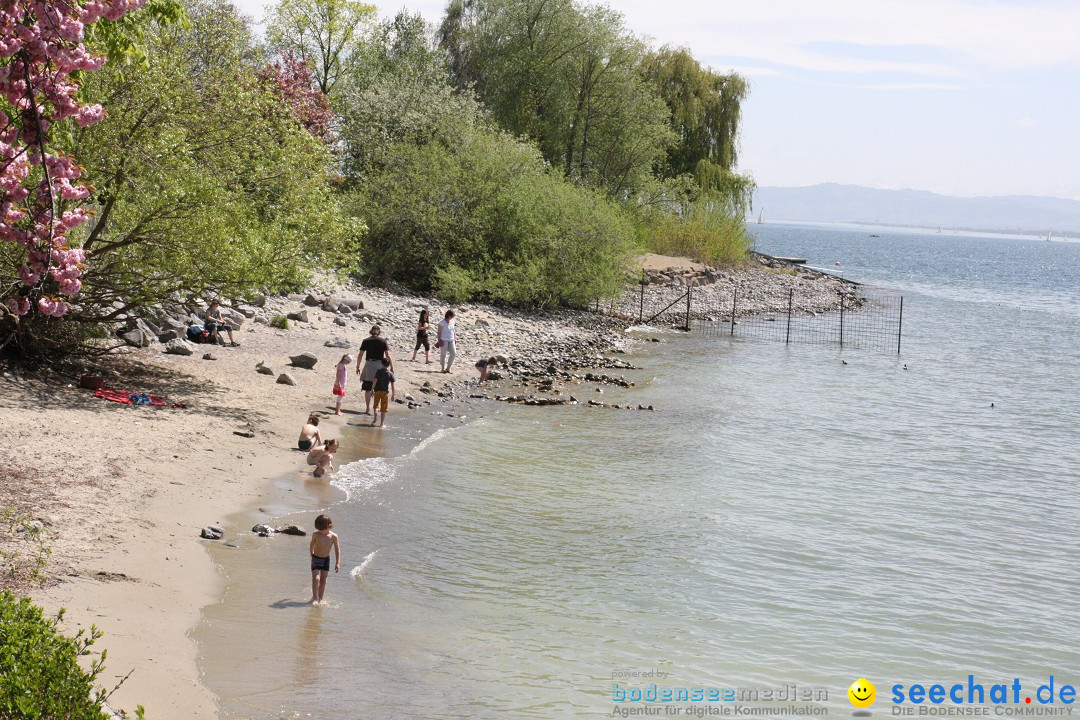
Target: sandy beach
(123, 491)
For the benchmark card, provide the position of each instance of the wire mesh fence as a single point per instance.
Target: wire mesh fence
(831, 312)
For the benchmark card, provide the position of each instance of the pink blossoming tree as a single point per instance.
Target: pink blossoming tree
(292, 80)
(42, 52)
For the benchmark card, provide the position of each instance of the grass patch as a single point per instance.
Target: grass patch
(704, 233)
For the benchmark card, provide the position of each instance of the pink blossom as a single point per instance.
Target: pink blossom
(53, 307)
(42, 42)
(18, 307)
(70, 286)
(89, 114)
(28, 276)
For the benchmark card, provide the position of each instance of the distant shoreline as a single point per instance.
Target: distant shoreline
(921, 230)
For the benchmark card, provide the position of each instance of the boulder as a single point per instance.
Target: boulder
(262, 369)
(341, 321)
(212, 532)
(352, 303)
(167, 335)
(337, 342)
(286, 379)
(303, 360)
(343, 309)
(291, 530)
(148, 327)
(179, 347)
(312, 301)
(232, 317)
(136, 338)
(299, 316)
(263, 530)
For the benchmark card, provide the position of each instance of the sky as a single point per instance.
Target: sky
(960, 98)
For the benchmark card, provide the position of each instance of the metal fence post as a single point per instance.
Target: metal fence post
(689, 291)
(900, 325)
(790, 302)
(734, 299)
(841, 319)
(641, 304)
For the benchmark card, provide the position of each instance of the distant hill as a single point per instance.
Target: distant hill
(852, 203)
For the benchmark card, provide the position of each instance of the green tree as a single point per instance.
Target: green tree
(400, 94)
(706, 108)
(206, 181)
(565, 75)
(328, 34)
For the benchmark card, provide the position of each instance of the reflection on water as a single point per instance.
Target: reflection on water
(309, 648)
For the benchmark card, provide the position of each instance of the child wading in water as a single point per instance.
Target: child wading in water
(384, 392)
(321, 541)
(341, 380)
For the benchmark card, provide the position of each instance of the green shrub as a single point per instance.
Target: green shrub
(279, 321)
(23, 552)
(706, 232)
(41, 678)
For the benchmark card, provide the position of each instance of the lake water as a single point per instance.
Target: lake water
(782, 519)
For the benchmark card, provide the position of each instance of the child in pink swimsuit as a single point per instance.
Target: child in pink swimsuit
(340, 380)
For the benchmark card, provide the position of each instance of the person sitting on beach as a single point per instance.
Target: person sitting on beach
(322, 540)
(309, 434)
(323, 457)
(372, 351)
(484, 365)
(215, 322)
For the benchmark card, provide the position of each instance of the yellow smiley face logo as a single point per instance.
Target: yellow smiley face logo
(862, 693)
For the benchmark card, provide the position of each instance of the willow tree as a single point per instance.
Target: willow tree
(706, 108)
(567, 76)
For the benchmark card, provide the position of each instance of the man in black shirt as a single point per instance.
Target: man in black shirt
(372, 352)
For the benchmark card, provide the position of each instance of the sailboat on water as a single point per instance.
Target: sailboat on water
(761, 217)
(1049, 236)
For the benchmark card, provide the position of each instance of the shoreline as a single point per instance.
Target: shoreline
(127, 489)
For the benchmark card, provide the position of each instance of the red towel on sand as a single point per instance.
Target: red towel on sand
(121, 396)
